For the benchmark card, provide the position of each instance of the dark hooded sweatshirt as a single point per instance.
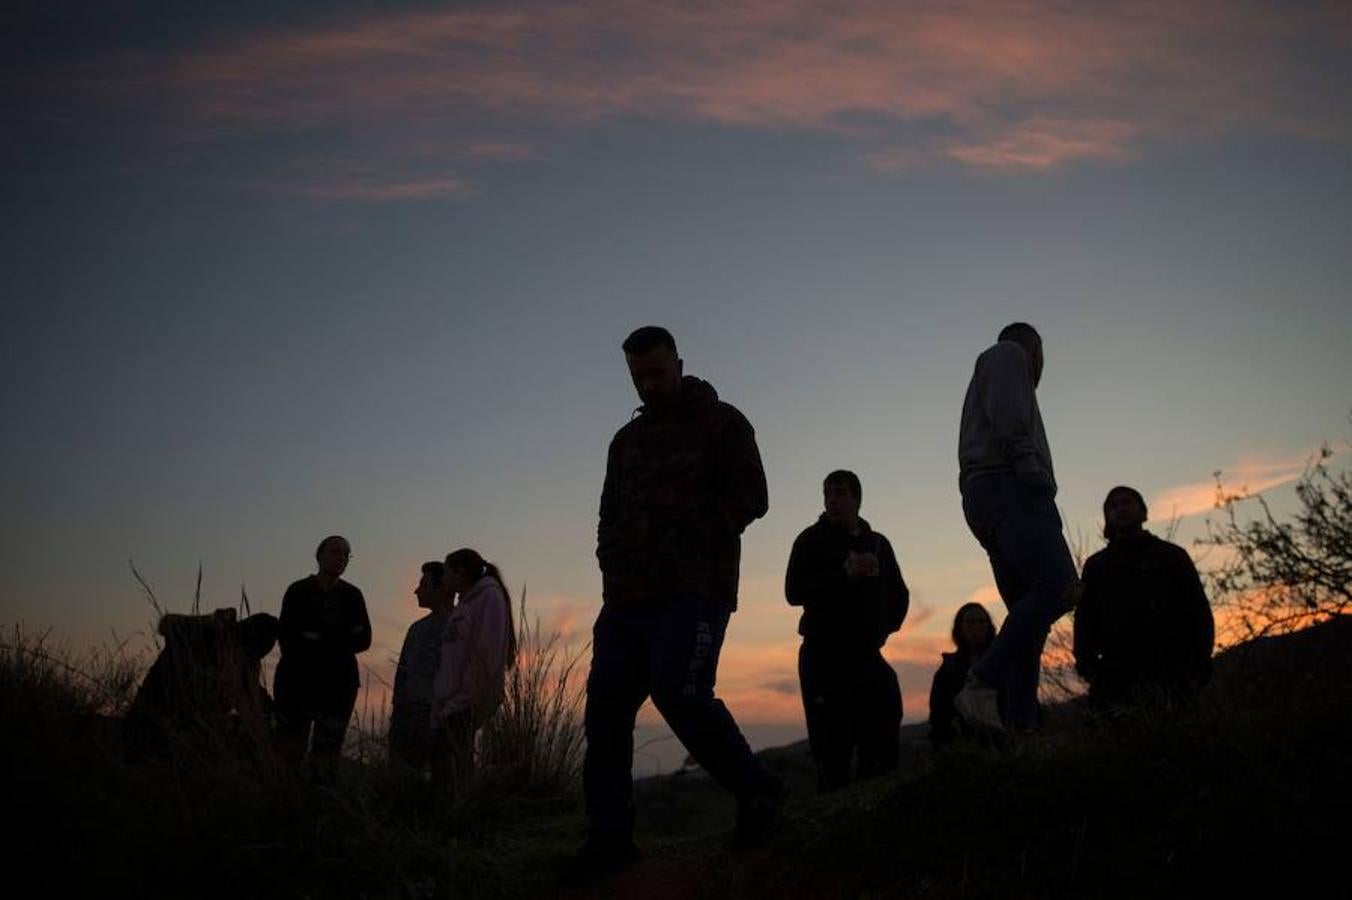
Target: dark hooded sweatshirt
(1144, 618)
(682, 483)
(839, 611)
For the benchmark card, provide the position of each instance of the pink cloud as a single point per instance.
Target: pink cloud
(384, 189)
(1029, 85)
(1250, 476)
(1043, 144)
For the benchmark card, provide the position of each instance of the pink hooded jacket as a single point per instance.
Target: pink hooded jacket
(474, 650)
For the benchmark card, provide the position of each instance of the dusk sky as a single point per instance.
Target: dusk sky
(273, 272)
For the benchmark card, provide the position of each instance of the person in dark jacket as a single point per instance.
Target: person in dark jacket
(973, 633)
(845, 577)
(323, 626)
(410, 735)
(683, 479)
(1144, 628)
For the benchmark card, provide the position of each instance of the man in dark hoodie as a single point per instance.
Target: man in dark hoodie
(683, 479)
(1143, 629)
(845, 577)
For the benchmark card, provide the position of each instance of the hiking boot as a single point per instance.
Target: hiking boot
(758, 815)
(599, 859)
(979, 705)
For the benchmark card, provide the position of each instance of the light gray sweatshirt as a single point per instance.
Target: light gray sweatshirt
(474, 647)
(1001, 428)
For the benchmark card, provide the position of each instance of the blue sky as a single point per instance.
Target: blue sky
(278, 274)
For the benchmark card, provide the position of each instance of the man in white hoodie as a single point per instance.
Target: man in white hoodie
(1008, 491)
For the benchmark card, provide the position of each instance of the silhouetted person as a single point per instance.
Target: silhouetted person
(1143, 629)
(205, 685)
(973, 632)
(845, 576)
(683, 480)
(478, 646)
(1008, 498)
(323, 627)
(411, 703)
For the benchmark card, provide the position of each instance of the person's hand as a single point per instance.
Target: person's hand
(861, 565)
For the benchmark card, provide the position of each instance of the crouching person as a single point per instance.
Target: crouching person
(204, 688)
(845, 576)
(478, 647)
(1144, 628)
(973, 633)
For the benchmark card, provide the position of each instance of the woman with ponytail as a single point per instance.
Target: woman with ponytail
(477, 649)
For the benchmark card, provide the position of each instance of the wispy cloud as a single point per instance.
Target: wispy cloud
(1249, 476)
(383, 190)
(1025, 85)
(1043, 144)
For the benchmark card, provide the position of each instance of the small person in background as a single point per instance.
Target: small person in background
(846, 578)
(1144, 628)
(323, 626)
(411, 705)
(973, 632)
(478, 647)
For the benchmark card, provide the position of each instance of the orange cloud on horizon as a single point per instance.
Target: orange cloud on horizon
(1252, 476)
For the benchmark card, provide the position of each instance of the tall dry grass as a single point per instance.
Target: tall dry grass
(536, 737)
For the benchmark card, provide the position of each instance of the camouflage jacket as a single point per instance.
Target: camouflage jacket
(681, 486)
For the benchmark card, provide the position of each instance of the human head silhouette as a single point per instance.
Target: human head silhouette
(332, 555)
(1124, 512)
(654, 366)
(429, 590)
(972, 628)
(1026, 336)
(842, 495)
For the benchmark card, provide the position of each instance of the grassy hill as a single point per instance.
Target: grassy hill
(1248, 793)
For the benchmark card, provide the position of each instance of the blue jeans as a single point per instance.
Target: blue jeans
(669, 652)
(1020, 529)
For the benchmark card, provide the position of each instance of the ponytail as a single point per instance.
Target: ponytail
(470, 562)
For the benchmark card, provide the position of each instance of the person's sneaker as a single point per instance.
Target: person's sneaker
(759, 815)
(597, 860)
(979, 705)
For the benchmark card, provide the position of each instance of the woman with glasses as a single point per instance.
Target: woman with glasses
(323, 626)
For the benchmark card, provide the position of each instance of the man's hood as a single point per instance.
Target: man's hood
(695, 393)
(864, 527)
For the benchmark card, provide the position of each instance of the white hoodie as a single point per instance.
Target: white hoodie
(1001, 429)
(474, 650)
